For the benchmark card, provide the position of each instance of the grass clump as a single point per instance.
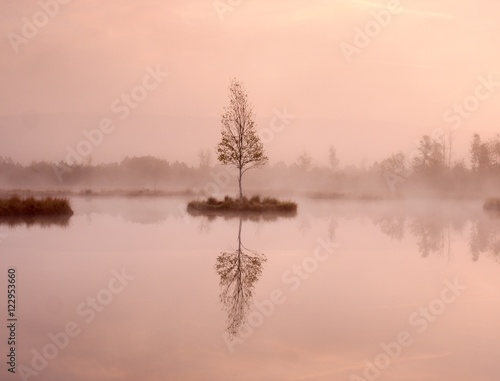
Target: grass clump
(492, 204)
(16, 206)
(255, 204)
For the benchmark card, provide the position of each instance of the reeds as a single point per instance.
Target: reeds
(16, 206)
(255, 204)
(492, 203)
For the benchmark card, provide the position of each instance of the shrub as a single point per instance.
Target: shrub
(254, 204)
(492, 204)
(48, 206)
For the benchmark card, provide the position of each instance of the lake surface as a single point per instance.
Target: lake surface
(406, 290)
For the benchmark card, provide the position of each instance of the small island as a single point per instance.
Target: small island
(255, 204)
(492, 204)
(17, 207)
(240, 147)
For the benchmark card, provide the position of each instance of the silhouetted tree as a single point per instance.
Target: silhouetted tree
(304, 161)
(494, 151)
(395, 164)
(332, 158)
(447, 141)
(240, 146)
(431, 157)
(479, 155)
(205, 157)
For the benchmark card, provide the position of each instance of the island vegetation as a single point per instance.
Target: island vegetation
(431, 169)
(255, 204)
(241, 148)
(16, 206)
(492, 204)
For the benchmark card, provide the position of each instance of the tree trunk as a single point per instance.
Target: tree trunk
(239, 237)
(239, 182)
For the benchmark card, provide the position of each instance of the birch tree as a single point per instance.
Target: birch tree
(240, 146)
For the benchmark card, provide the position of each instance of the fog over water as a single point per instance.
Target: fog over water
(365, 244)
(388, 260)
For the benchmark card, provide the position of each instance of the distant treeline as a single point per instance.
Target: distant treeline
(430, 169)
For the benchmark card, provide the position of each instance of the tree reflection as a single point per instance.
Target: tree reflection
(332, 228)
(429, 235)
(393, 226)
(239, 270)
(41, 221)
(434, 234)
(485, 237)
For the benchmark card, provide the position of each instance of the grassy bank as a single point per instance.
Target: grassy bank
(256, 204)
(16, 206)
(5, 193)
(492, 204)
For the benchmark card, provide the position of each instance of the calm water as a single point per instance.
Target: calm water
(343, 291)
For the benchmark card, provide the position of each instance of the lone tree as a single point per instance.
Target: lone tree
(240, 146)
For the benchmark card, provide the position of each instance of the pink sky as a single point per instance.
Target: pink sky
(428, 57)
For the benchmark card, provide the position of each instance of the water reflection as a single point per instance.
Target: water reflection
(247, 216)
(436, 233)
(485, 237)
(41, 221)
(393, 226)
(239, 270)
(434, 224)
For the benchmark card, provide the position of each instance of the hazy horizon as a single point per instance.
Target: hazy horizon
(372, 253)
(64, 79)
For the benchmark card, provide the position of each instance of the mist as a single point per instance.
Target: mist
(64, 79)
(250, 190)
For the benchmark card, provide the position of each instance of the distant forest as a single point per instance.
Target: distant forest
(430, 170)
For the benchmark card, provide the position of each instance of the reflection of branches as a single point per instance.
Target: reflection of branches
(332, 228)
(393, 226)
(305, 224)
(435, 233)
(485, 237)
(239, 271)
(204, 225)
(429, 234)
(42, 221)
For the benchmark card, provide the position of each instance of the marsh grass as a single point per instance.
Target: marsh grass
(16, 206)
(87, 193)
(492, 204)
(255, 204)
